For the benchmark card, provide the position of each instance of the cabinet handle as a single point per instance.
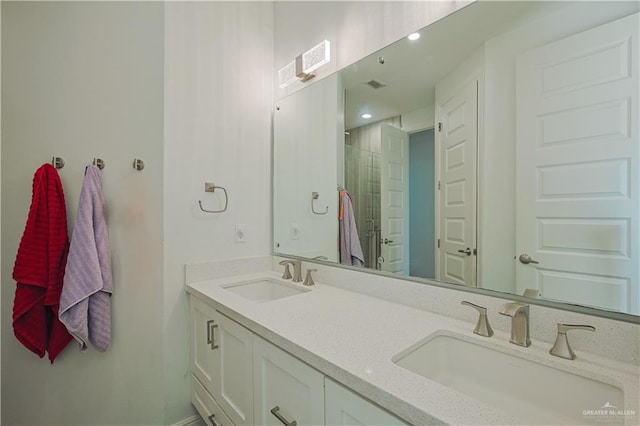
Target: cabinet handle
(276, 412)
(213, 337)
(209, 336)
(213, 422)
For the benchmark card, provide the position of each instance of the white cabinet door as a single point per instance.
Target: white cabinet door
(344, 407)
(233, 388)
(202, 349)
(221, 359)
(285, 389)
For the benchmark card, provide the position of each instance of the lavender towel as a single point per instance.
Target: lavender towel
(85, 303)
(350, 249)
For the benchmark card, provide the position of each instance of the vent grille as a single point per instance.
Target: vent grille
(375, 84)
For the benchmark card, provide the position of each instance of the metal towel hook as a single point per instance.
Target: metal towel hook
(99, 163)
(58, 162)
(138, 164)
(314, 196)
(211, 187)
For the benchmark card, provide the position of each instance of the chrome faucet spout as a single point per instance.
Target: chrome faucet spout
(519, 314)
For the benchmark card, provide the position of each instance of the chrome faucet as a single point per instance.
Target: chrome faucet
(297, 270)
(308, 280)
(482, 326)
(561, 347)
(286, 275)
(519, 314)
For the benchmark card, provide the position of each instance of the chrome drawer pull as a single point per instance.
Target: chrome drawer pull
(209, 337)
(213, 337)
(213, 422)
(275, 411)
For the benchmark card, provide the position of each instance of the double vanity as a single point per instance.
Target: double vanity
(268, 350)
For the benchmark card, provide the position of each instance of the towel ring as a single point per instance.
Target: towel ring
(210, 187)
(314, 196)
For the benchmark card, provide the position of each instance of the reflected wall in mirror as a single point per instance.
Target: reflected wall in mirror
(500, 150)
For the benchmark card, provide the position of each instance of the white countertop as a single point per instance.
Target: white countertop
(352, 337)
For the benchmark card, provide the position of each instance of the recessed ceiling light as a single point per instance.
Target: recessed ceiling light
(413, 36)
(366, 115)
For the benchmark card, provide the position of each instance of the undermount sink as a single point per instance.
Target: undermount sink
(265, 289)
(526, 389)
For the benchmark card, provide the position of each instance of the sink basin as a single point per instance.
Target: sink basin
(529, 390)
(265, 289)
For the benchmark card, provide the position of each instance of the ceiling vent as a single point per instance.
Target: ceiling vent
(375, 84)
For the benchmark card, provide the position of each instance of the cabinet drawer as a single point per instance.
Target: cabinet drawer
(206, 405)
(285, 388)
(344, 407)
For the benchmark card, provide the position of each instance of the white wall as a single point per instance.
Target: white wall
(218, 101)
(84, 80)
(306, 161)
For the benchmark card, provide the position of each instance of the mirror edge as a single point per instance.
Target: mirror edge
(564, 306)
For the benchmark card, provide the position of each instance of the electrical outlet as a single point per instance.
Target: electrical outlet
(295, 231)
(241, 234)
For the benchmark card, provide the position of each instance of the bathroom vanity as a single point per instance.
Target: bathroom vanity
(269, 351)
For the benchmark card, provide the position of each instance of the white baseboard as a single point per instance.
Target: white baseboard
(189, 421)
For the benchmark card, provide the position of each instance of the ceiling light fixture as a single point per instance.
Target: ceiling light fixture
(366, 116)
(414, 36)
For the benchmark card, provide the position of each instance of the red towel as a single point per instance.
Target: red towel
(39, 268)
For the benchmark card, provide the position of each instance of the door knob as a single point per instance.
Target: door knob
(526, 259)
(467, 251)
(385, 241)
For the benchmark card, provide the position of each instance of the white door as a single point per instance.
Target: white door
(285, 389)
(577, 201)
(234, 360)
(346, 408)
(394, 197)
(457, 141)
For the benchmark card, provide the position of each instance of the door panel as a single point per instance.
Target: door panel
(458, 145)
(395, 199)
(578, 156)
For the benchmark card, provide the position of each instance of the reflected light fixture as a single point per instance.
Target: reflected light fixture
(366, 116)
(413, 36)
(303, 66)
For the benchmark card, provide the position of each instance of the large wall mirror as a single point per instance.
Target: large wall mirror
(499, 150)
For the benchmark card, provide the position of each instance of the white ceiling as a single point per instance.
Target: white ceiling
(412, 69)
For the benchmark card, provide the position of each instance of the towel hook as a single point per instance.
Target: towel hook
(138, 164)
(58, 162)
(211, 187)
(99, 163)
(314, 196)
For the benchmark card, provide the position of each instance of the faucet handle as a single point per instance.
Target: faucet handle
(308, 279)
(482, 327)
(561, 347)
(287, 272)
